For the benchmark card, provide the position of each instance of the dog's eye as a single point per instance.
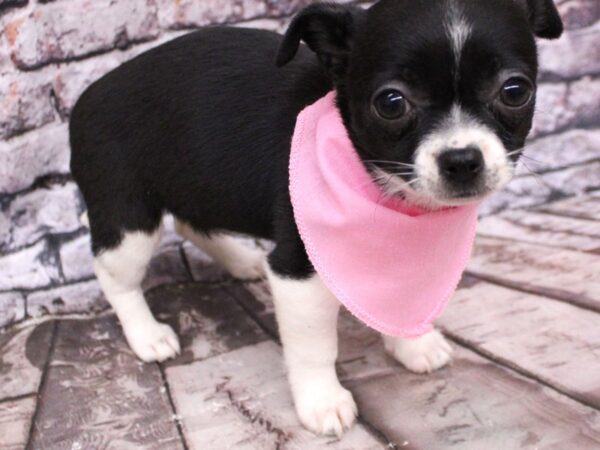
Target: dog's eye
(390, 104)
(516, 92)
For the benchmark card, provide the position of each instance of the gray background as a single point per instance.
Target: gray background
(51, 50)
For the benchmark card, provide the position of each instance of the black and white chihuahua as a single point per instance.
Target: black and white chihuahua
(200, 127)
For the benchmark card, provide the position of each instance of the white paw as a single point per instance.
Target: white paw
(423, 354)
(248, 265)
(327, 409)
(153, 341)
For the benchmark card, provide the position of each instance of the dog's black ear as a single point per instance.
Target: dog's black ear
(326, 28)
(544, 18)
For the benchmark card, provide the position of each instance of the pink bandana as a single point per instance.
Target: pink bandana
(393, 266)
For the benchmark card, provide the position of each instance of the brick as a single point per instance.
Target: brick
(207, 319)
(8, 3)
(83, 297)
(5, 226)
(66, 30)
(12, 308)
(562, 150)
(202, 266)
(286, 7)
(30, 268)
(15, 420)
(562, 105)
(550, 108)
(23, 354)
(537, 189)
(584, 101)
(193, 13)
(574, 180)
(6, 65)
(76, 258)
(579, 13)
(24, 158)
(575, 54)
(519, 193)
(37, 213)
(166, 267)
(70, 80)
(98, 395)
(145, 46)
(278, 25)
(241, 399)
(291, 7)
(25, 103)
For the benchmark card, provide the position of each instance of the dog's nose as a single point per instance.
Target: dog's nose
(461, 165)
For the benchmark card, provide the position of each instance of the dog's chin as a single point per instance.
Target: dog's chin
(439, 197)
(433, 197)
(434, 194)
(463, 198)
(434, 201)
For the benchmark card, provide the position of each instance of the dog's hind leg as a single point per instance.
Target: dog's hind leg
(241, 261)
(120, 271)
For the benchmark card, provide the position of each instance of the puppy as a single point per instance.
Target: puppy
(200, 127)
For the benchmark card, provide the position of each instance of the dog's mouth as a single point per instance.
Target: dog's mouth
(450, 167)
(462, 197)
(435, 192)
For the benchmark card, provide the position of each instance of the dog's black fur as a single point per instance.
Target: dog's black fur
(201, 126)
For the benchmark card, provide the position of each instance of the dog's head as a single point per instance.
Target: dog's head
(437, 95)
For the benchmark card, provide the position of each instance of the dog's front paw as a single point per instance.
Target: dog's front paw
(327, 409)
(423, 354)
(153, 341)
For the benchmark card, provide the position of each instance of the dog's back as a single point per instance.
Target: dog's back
(176, 127)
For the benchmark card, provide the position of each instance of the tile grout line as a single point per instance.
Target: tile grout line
(254, 317)
(520, 222)
(526, 288)
(48, 287)
(513, 367)
(544, 209)
(163, 375)
(514, 240)
(185, 261)
(17, 398)
(42, 384)
(376, 433)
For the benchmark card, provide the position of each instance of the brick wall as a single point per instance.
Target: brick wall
(51, 50)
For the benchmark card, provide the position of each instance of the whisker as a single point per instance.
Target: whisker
(401, 173)
(525, 156)
(514, 152)
(397, 163)
(536, 175)
(387, 175)
(532, 159)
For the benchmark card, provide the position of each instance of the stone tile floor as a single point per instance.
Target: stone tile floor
(526, 373)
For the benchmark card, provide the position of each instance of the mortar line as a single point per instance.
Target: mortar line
(163, 375)
(42, 385)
